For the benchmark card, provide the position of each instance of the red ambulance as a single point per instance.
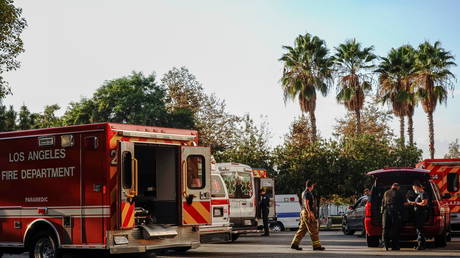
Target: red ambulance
(445, 173)
(115, 187)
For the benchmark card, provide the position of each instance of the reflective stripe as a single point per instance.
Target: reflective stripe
(55, 211)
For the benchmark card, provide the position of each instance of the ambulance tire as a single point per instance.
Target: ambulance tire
(235, 237)
(182, 249)
(41, 243)
(1, 254)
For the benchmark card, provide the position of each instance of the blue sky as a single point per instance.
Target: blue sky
(232, 47)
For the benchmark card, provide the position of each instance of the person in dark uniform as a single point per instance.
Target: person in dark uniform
(264, 203)
(308, 221)
(393, 205)
(421, 213)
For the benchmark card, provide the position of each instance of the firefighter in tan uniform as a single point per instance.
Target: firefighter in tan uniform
(308, 221)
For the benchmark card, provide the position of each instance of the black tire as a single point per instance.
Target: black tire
(346, 230)
(277, 227)
(44, 245)
(441, 240)
(235, 237)
(182, 249)
(372, 241)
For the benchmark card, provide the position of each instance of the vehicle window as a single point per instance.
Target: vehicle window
(217, 187)
(127, 170)
(452, 182)
(195, 172)
(239, 184)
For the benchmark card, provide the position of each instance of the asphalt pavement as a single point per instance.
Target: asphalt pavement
(278, 245)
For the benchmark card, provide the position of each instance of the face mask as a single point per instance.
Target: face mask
(417, 192)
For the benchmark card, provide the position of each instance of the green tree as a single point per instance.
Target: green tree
(454, 150)
(48, 118)
(374, 121)
(307, 68)
(250, 147)
(216, 126)
(184, 91)
(434, 79)
(11, 26)
(25, 120)
(135, 99)
(353, 63)
(395, 73)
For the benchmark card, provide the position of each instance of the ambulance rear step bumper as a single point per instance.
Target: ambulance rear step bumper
(138, 242)
(143, 249)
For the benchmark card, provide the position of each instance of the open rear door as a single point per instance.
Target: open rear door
(129, 183)
(196, 185)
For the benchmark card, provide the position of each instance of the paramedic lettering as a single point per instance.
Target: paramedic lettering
(37, 155)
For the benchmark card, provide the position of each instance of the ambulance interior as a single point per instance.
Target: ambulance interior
(384, 183)
(158, 178)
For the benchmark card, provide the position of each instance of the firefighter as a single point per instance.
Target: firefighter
(308, 221)
(264, 203)
(392, 204)
(421, 213)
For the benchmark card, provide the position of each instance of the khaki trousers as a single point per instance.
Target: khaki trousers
(309, 225)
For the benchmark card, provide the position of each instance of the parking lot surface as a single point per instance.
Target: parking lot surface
(277, 245)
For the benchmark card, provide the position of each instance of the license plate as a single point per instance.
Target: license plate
(247, 222)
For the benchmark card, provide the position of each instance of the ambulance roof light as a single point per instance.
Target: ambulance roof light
(156, 135)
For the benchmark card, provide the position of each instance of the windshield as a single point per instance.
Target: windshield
(217, 187)
(239, 184)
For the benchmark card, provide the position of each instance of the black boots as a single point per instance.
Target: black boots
(296, 247)
(319, 248)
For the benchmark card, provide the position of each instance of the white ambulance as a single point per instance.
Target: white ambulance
(220, 230)
(240, 185)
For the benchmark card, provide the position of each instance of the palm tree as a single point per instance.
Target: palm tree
(307, 68)
(433, 80)
(352, 63)
(395, 77)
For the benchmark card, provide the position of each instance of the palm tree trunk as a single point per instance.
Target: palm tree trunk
(358, 121)
(431, 132)
(410, 129)
(401, 130)
(313, 125)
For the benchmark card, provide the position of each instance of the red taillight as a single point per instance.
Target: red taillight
(368, 209)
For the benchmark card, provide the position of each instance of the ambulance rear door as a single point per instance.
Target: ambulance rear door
(196, 185)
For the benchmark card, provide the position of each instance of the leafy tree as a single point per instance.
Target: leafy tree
(135, 99)
(25, 118)
(217, 127)
(250, 147)
(48, 118)
(374, 121)
(454, 150)
(395, 72)
(307, 68)
(184, 91)
(11, 26)
(433, 79)
(353, 63)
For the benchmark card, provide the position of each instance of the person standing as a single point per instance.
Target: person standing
(392, 204)
(421, 213)
(264, 205)
(308, 221)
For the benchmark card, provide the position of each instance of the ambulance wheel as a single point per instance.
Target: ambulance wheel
(235, 237)
(44, 246)
(182, 249)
